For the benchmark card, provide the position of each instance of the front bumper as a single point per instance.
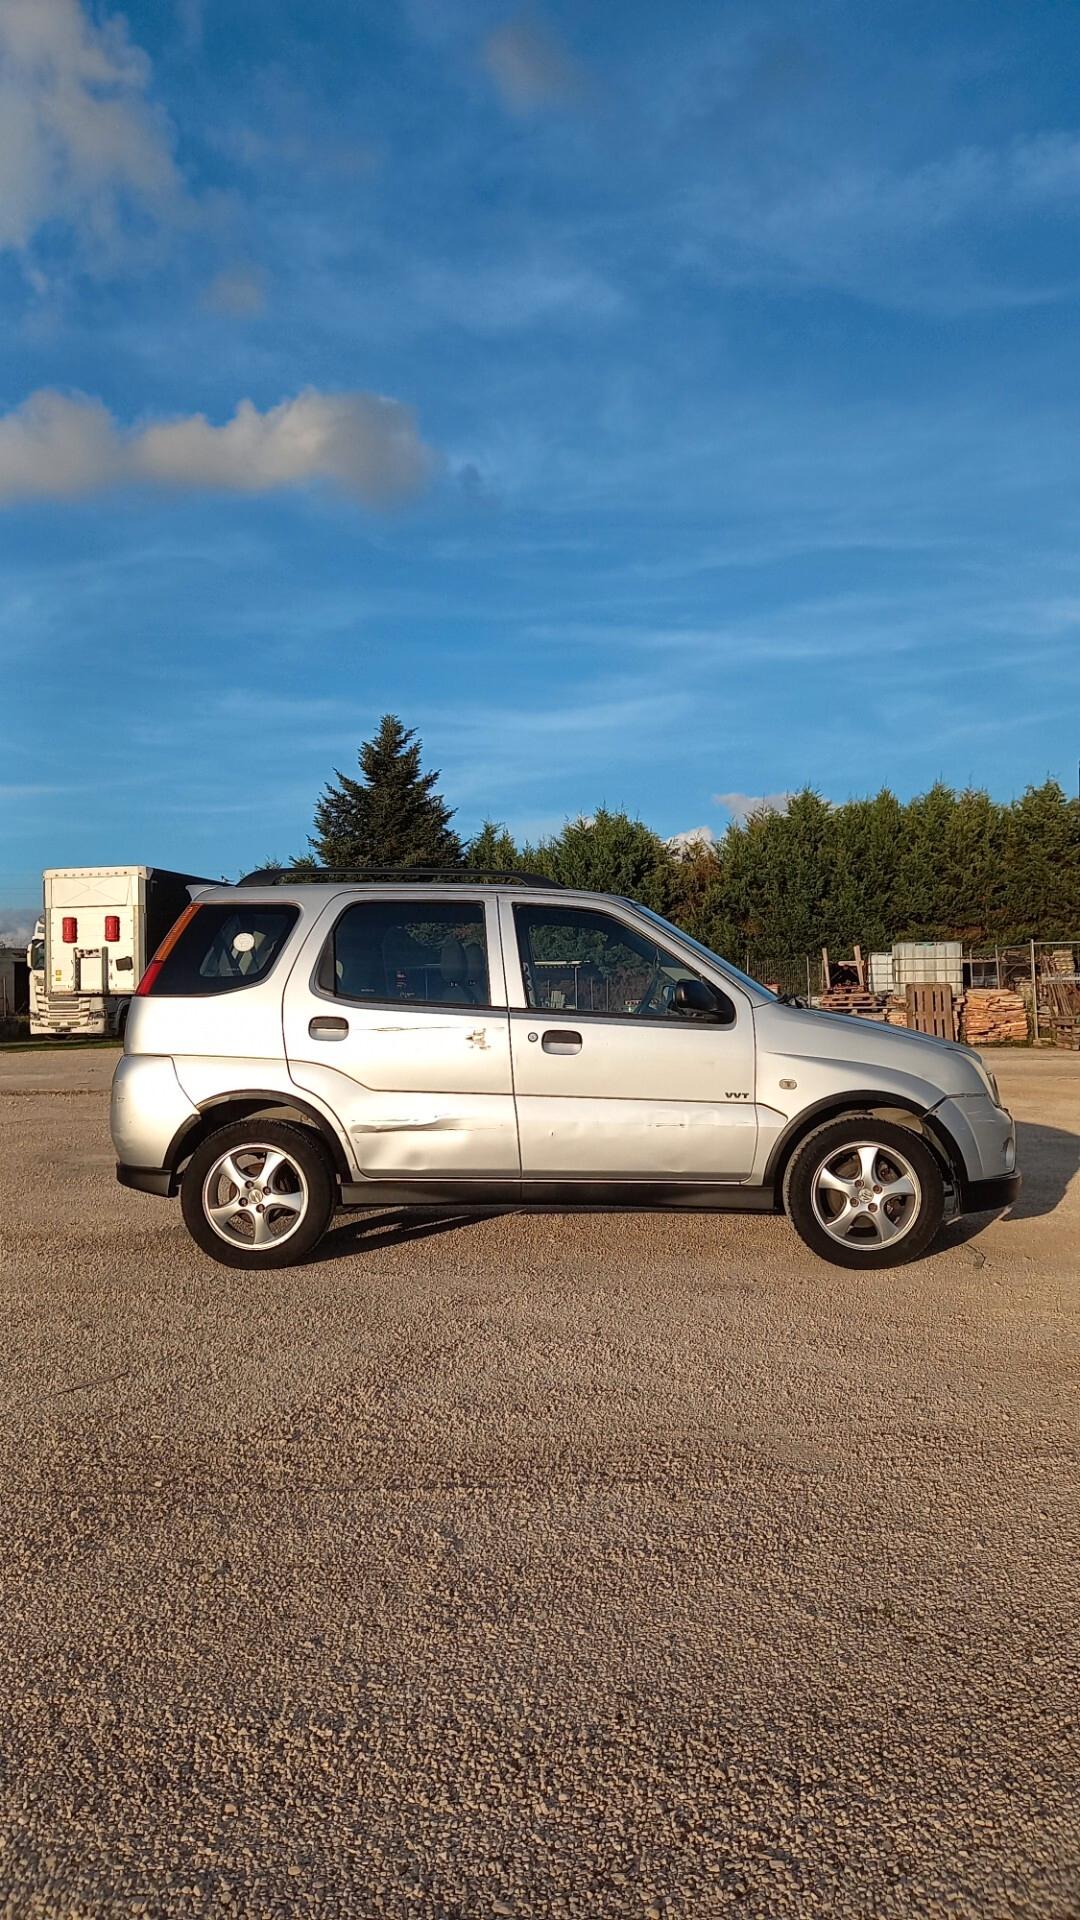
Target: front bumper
(147, 1179)
(981, 1196)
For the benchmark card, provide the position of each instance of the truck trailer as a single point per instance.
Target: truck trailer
(99, 928)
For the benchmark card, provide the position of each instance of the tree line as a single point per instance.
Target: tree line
(944, 866)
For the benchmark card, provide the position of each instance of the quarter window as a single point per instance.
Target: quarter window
(223, 948)
(431, 951)
(577, 961)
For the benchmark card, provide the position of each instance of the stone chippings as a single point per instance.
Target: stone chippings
(583, 1566)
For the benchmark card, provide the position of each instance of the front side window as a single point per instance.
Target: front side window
(222, 948)
(431, 951)
(575, 960)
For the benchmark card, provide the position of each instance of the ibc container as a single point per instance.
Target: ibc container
(881, 973)
(918, 963)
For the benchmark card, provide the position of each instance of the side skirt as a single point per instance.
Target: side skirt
(560, 1196)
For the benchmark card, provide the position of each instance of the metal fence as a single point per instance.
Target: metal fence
(1046, 973)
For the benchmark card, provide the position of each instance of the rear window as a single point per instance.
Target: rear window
(223, 948)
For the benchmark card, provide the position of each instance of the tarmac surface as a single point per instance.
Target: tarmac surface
(591, 1565)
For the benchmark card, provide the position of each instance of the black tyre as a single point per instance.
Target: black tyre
(259, 1193)
(865, 1193)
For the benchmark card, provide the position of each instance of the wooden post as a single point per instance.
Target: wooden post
(860, 967)
(826, 976)
(1034, 997)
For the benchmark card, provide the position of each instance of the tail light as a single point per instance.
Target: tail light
(146, 984)
(112, 928)
(70, 930)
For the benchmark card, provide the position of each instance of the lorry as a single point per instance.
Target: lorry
(91, 944)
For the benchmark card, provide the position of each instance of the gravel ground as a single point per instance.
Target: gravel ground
(590, 1565)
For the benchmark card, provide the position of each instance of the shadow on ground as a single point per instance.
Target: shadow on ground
(1049, 1160)
(366, 1232)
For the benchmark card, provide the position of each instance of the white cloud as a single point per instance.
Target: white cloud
(189, 17)
(530, 68)
(79, 138)
(886, 231)
(239, 291)
(505, 296)
(691, 840)
(58, 445)
(742, 805)
(16, 925)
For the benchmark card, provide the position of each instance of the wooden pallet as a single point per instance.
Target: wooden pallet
(930, 1010)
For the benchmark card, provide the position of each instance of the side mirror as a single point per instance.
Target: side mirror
(699, 1001)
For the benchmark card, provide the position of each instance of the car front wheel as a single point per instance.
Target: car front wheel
(258, 1194)
(865, 1193)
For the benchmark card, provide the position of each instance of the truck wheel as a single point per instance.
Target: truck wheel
(865, 1193)
(259, 1193)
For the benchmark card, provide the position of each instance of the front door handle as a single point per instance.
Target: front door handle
(326, 1027)
(561, 1040)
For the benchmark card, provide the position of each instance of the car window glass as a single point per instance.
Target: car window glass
(576, 960)
(222, 948)
(431, 951)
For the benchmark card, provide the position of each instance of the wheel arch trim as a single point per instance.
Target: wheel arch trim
(247, 1102)
(836, 1106)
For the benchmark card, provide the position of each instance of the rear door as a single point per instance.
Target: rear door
(611, 1081)
(397, 1019)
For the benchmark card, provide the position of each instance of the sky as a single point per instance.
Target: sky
(656, 407)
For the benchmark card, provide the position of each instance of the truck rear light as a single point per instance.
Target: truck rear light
(70, 930)
(112, 928)
(146, 984)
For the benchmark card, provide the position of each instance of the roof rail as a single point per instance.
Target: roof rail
(285, 876)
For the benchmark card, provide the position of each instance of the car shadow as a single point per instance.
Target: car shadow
(366, 1232)
(1049, 1160)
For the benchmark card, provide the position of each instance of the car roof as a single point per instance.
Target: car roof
(323, 890)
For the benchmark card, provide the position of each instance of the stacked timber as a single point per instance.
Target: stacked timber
(993, 1017)
(896, 1010)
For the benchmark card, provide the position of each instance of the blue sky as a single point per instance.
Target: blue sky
(654, 406)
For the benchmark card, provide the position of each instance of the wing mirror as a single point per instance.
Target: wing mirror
(701, 1002)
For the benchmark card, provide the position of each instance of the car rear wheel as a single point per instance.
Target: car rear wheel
(258, 1193)
(865, 1193)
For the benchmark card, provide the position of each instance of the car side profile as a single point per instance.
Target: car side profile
(305, 1042)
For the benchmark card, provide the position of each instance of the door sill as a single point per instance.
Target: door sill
(562, 1196)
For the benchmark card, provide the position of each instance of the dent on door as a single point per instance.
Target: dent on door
(638, 1139)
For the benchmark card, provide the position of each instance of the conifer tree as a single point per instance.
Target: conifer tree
(393, 817)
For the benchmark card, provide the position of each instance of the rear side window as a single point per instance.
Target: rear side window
(432, 951)
(222, 948)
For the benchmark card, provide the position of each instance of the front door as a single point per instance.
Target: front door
(612, 1081)
(395, 1022)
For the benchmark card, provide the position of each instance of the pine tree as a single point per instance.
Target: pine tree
(610, 853)
(393, 817)
(493, 848)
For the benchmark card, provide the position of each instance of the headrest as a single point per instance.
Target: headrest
(452, 961)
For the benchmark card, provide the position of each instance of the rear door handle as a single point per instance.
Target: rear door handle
(561, 1040)
(326, 1027)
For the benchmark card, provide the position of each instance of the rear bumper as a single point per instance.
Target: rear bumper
(980, 1196)
(149, 1109)
(146, 1179)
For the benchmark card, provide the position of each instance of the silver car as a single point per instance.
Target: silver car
(433, 1041)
